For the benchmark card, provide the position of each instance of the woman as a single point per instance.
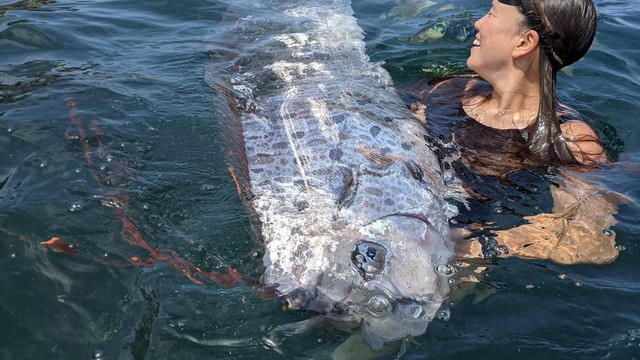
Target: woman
(512, 123)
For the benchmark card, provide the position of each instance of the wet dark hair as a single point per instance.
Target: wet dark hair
(566, 29)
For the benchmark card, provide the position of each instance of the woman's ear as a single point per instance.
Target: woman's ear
(528, 42)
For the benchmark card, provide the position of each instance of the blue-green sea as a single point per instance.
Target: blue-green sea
(109, 141)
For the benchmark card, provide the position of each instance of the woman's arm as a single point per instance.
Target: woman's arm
(577, 229)
(576, 232)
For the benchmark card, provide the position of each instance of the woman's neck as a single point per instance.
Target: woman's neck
(514, 101)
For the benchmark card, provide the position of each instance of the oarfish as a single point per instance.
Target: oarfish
(342, 184)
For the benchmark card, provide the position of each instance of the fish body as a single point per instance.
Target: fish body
(343, 188)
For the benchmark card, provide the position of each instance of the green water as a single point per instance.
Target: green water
(136, 69)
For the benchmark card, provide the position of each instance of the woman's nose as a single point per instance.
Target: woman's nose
(478, 23)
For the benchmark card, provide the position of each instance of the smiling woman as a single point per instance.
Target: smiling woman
(513, 123)
(519, 48)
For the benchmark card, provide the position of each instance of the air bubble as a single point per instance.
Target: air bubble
(444, 315)
(146, 207)
(378, 305)
(503, 249)
(529, 286)
(452, 281)
(76, 207)
(562, 276)
(98, 355)
(10, 130)
(13, 255)
(499, 210)
(44, 164)
(109, 158)
(620, 248)
(578, 284)
(446, 269)
(607, 232)
(453, 221)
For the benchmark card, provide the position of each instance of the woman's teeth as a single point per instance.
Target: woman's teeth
(476, 42)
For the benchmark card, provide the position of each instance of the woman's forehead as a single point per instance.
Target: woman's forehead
(506, 7)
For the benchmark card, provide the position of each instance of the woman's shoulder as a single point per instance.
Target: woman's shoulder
(583, 143)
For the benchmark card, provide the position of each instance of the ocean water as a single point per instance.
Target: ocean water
(109, 141)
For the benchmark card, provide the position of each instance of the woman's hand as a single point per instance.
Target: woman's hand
(418, 110)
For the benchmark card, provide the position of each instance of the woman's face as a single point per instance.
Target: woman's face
(498, 33)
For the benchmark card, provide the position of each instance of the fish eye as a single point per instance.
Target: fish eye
(371, 253)
(369, 259)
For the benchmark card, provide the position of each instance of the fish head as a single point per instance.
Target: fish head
(385, 278)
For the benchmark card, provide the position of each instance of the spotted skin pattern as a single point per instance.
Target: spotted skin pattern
(333, 159)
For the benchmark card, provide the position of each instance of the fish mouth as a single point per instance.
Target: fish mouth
(377, 331)
(385, 319)
(381, 319)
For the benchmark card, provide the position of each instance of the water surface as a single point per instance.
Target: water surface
(135, 72)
